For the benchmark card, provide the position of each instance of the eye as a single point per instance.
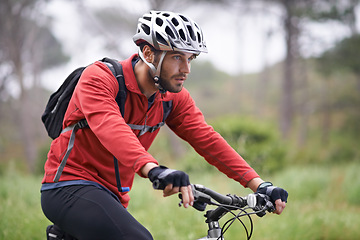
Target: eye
(193, 57)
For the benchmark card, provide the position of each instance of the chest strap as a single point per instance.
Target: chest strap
(145, 128)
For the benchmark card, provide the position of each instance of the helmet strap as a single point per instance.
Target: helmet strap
(151, 66)
(155, 71)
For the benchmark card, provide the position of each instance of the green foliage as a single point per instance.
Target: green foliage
(212, 89)
(323, 204)
(335, 148)
(320, 206)
(258, 142)
(21, 214)
(330, 10)
(352, 186)
(42, 157)
(343, 56)
(192, 162)
(320, 203)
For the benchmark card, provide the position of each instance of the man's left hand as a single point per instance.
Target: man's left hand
(278, 196)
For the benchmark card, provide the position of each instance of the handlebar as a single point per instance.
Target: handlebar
(257, 202)
(203, 196)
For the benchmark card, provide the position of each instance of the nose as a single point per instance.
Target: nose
(185, 67)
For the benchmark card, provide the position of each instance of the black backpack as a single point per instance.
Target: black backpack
(55, 109)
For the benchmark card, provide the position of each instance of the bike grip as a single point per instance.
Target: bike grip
(157, 185)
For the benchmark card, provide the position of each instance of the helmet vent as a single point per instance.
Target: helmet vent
(169, 32)
(182, 34)
(147, 18)
(175, 22)
(192, 35)
(166, 15)
(159, 22)
(160, 39)
(145, 28)
(184, 18)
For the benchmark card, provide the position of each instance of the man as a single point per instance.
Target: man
(87, 202)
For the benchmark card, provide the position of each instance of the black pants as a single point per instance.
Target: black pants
(87, 212)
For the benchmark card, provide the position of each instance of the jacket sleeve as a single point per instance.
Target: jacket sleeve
(95, 97)
(187, 121)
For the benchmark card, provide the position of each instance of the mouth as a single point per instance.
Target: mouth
(180, 79)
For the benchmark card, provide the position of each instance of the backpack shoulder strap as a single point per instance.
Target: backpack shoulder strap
(167, 107)
(116, 69)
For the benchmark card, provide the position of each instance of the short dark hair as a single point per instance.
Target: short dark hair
(142, 45)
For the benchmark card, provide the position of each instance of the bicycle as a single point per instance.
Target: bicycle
(256, 202)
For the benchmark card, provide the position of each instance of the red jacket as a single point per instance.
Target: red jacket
(92, 157)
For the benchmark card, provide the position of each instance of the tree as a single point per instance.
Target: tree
(343, 56)
(334, 64)
(296, 15)
(27, 47)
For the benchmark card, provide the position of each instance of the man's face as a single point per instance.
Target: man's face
(175, 69)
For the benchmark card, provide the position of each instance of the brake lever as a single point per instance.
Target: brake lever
(260, 203)
(200, 199)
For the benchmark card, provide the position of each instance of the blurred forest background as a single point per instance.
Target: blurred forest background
(299, 111)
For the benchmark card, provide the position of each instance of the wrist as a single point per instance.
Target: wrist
(147, 168)
(157, 172)
(264, 185)
(254, 183)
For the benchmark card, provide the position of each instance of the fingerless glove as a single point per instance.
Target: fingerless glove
(273, 192)
(162, 176)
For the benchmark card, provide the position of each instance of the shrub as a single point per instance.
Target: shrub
(256, 141)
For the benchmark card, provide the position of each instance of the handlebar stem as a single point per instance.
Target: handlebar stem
(215, 215)
(214, 230)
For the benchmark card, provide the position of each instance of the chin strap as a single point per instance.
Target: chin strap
(155, 71)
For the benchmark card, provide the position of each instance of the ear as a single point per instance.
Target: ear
(148, 54)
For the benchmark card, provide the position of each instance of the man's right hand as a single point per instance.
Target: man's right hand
(171, 182)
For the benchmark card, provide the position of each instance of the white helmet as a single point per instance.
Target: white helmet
(168, 31)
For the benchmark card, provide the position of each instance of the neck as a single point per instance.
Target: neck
(145, 82)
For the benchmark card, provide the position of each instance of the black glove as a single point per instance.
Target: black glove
(162, 176)
(273, 192)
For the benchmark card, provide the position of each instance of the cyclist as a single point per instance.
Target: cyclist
(86, 202)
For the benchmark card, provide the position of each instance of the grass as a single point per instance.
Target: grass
(323, 204)
(20, 210)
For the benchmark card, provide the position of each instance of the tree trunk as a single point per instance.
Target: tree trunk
(304, 105)
(26, 126)
(261, 92)
(327, 114)
(287, 104)
(264, 78)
